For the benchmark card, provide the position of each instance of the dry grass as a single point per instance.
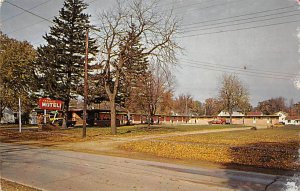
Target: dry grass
(13, 186)
(242, 137)
(75, 134)
(271, 148)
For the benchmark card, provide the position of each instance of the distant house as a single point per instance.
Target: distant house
(234, 114)
(8, 116)
(282, 116)
(292, 120)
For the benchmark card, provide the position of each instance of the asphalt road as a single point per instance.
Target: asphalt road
(57, 170)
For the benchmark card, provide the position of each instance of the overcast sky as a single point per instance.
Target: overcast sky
(255, 39)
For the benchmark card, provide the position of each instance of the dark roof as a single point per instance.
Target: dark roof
(103, 106)
(255, 113)
(293, 118)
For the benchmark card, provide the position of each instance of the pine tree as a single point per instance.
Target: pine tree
(133, 70)
(61, 60)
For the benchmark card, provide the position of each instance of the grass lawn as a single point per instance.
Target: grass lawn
(270, 148)
(93, 133)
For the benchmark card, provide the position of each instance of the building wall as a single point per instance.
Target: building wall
(7, 118)
(159, 119)
(252, 121)
(200, 121)
(292, 122)
(139, 118)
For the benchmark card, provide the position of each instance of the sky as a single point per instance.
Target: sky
(257, 40)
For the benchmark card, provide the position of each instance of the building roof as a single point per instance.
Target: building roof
(103, 106)
(293, 118)
(234, 114)
(255, 113)
(8, 111)
(281, 113)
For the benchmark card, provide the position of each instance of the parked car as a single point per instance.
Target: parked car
(218, 121)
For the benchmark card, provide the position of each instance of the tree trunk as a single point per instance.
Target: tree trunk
(1, 111)
(128, 118)
(230, 117)
(113, 117)
(64, 124)
(149, 116)
(65, 114)
(149, 121)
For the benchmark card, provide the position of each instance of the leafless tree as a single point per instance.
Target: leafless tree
(212, 106)
(233, 94)
(156, 85)
(183, 104)
(156, 31)
(272, 105)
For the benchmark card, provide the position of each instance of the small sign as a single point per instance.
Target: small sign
(50, 104)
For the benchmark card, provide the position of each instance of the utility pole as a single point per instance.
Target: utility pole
(20, 116)
(186, 100)
(85, 83)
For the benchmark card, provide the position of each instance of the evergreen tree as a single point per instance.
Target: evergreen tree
(133, 70)
(61, 60)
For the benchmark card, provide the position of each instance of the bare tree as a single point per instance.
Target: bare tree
(156, 84)
(272, 105)
(183, 104)
(155, 30)
(233, 94)
(212, 106)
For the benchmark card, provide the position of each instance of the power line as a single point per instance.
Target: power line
(45, 19)
(206, 67)
(219, 70)
(253, 13)
(239, 29)
(262, 16)
(201, 8)
(38, 5)
(29, 12)
(36, 15)
(254, 71)
(236, 24)
(209, 6)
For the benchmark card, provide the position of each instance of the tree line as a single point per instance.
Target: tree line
(129, 55)
(129, 58)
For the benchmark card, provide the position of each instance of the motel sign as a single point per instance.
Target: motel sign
(49, 104)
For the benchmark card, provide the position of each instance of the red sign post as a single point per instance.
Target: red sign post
(50, 104)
